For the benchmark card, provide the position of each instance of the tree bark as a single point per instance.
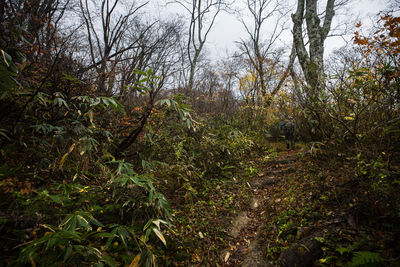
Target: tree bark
(312, 62)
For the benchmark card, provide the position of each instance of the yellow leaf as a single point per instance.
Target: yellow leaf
(32, 261)
(201, 235)
(160, 236)
(348, 118)
(90, 115)
(66, 154)
(71, 148)
(135, 262)
(227, 256)
(63, 160)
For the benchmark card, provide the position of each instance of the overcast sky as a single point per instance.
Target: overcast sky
(228, 29)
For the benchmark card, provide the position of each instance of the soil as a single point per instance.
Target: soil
(248, 228)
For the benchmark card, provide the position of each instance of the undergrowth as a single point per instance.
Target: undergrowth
(331, 195)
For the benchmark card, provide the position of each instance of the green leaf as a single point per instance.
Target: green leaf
(59, 199)
(95, 221)
(105, 101)
(123, 234)
(59, 101)
(6, 57)
(6, 81)
(67, 221)
(139, 72)
(80, 249)
(95, 102)
(148, 224)
(164, 101)
(70, 78)
(84, 223)
(52, 241)
(67, 253)
(361, 258)
(110, 261)
(112, 102)
(3, 133)
(157, 222)
(104, 235)
(110, 239)
(151, 194)
(94, 251)
(320, 239)
(76, 236)
(343, 250)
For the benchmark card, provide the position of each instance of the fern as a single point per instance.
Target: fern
(343, 250)
(361, 258)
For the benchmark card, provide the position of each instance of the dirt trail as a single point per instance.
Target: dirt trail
(248, 228)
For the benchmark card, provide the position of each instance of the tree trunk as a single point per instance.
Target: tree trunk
(193, 64)
(289, 67)
(312, 63)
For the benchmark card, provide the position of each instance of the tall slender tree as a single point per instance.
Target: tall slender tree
(311, 61)
(256, 48)
(203, 14)
(106, 43)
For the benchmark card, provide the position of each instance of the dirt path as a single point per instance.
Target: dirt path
(248, 228)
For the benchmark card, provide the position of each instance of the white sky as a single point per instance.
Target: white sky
(228, 29)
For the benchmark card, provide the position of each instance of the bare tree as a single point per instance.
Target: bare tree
(156, 51)
(202, 19)
(229, 69)
(311, 59)
(258, 49)
(312, 62)
(107, 42)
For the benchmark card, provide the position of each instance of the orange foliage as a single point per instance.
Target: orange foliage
(386, 38)
(137, 109)
(14, 184)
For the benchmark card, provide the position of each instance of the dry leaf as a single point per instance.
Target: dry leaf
(135, 262)
(201, 235)
(227, 255)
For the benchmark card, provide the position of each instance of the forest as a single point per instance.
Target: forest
(125, 140)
